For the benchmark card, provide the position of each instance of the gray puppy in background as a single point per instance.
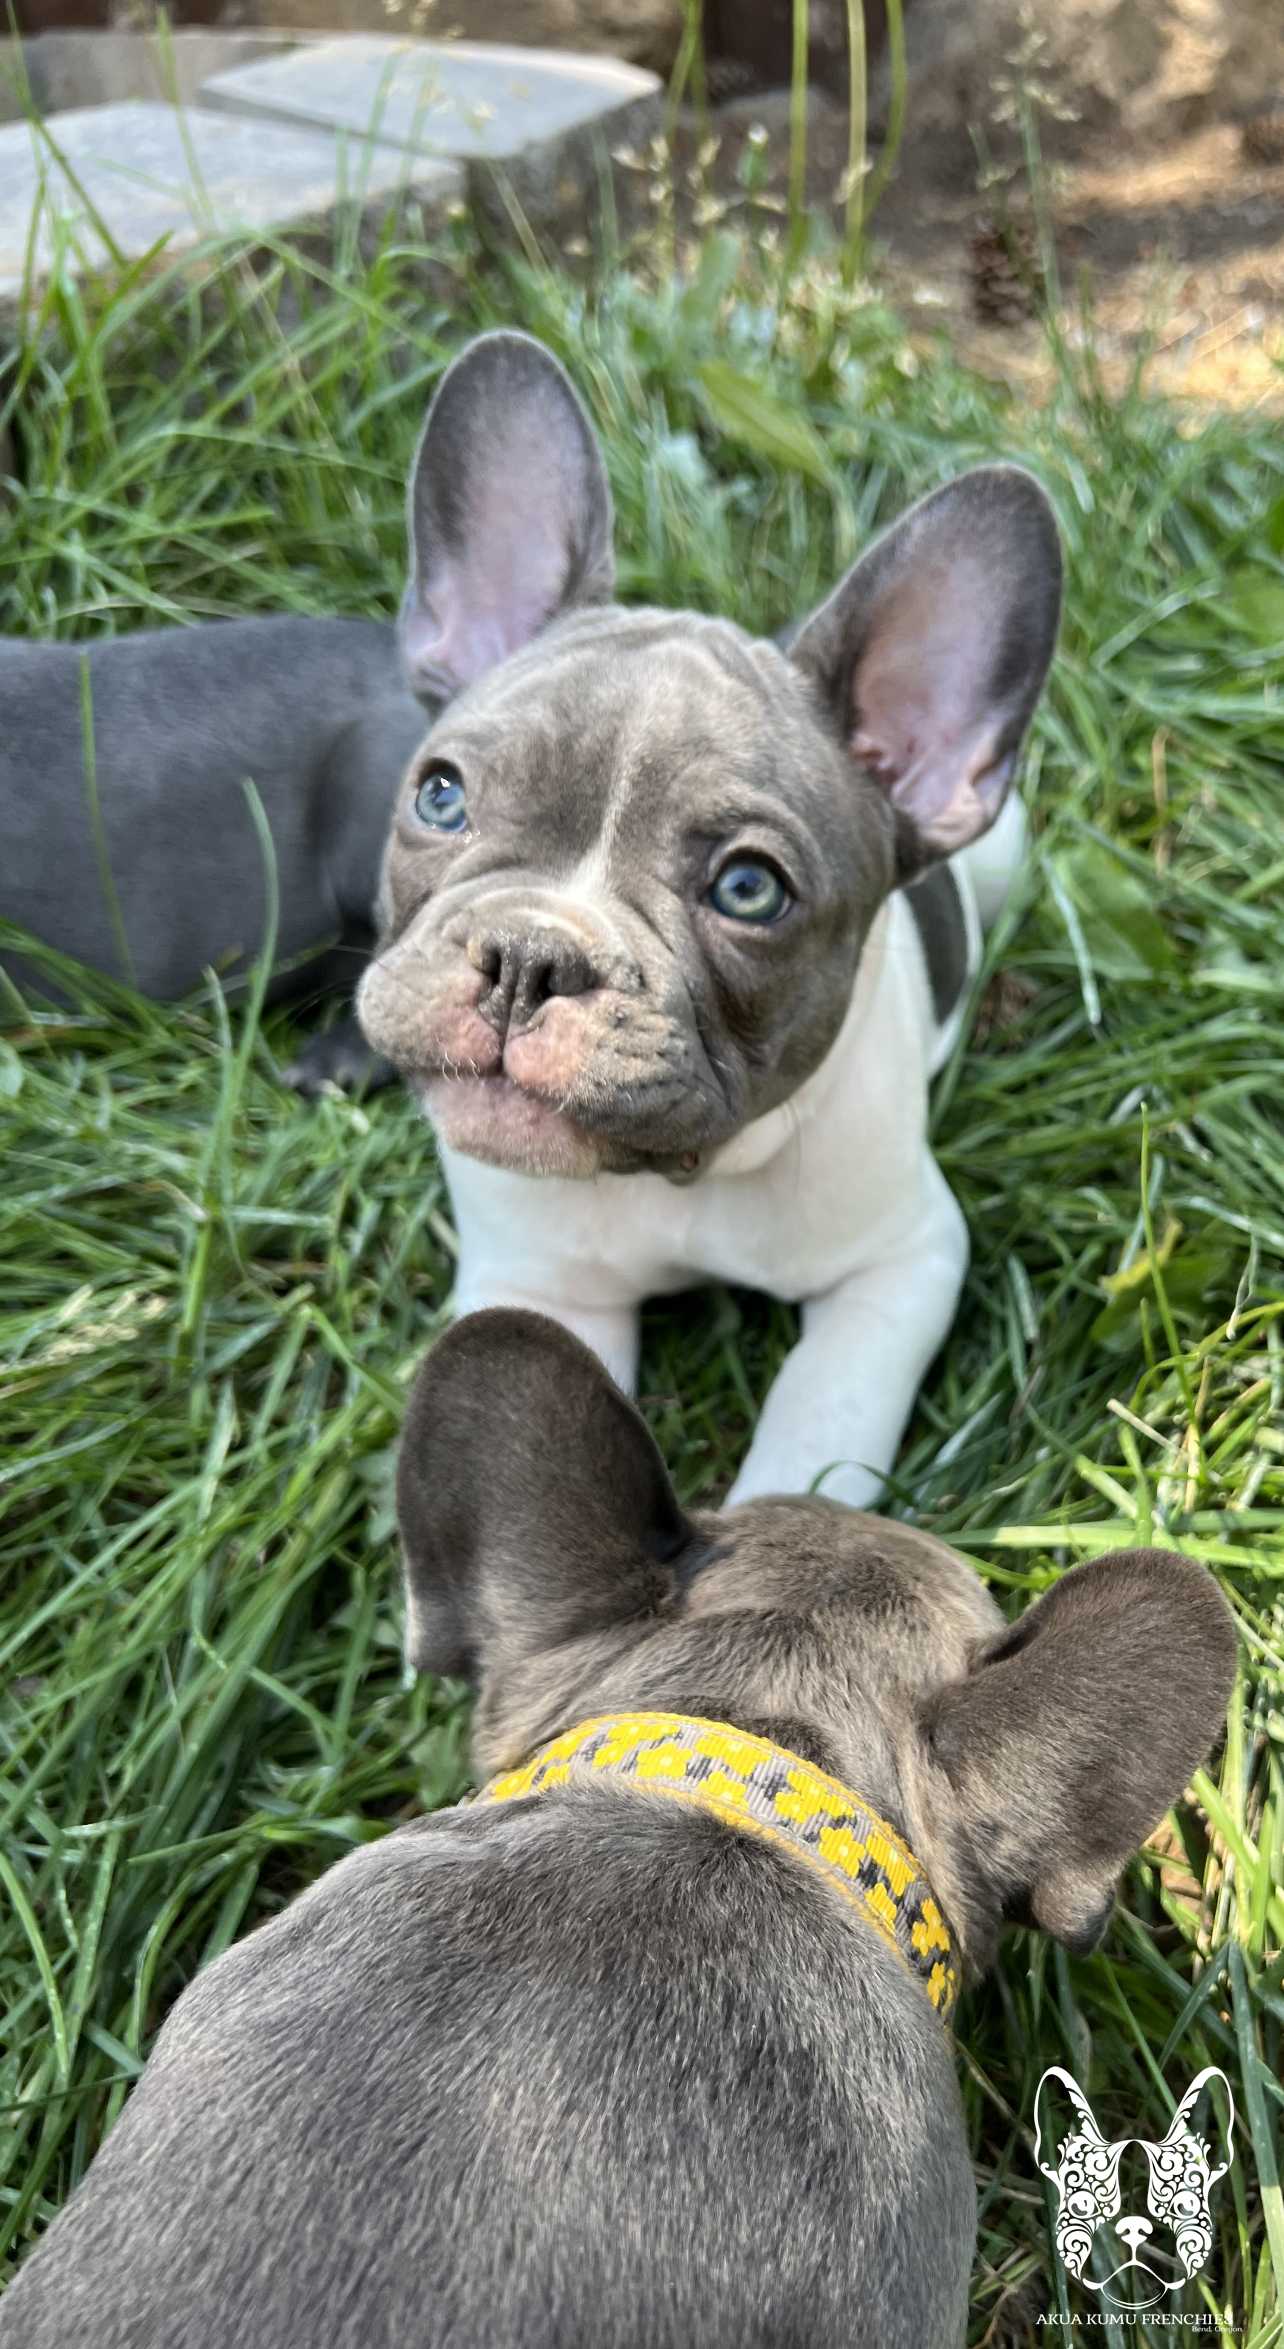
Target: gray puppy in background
(594, 2068)
(149, 868)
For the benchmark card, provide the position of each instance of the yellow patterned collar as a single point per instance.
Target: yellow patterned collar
(750, 1783)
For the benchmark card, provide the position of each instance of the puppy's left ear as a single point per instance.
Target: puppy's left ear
(933, 651)
(533, 1504)
(1077, 1728)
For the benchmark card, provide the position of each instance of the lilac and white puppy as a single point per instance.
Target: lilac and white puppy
(666, 916)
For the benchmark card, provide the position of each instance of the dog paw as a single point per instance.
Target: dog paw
(338, 1061)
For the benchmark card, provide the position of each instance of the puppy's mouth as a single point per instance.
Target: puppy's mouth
(606, 1081)
(495, 1119)
(498, 1121)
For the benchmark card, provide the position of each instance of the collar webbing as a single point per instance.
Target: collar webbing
(750, 1783)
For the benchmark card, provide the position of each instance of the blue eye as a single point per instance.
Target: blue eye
(746, 891)
(439, 801)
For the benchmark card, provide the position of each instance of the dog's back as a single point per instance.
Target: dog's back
(162, 846)
(583, 2074)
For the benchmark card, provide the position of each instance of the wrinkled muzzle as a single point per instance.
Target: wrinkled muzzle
(537, 1039)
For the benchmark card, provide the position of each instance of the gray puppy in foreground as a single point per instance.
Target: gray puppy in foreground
(148, 868)
(647, 2050)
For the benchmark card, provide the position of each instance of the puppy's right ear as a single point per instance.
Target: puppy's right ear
(509, 514)
(532, 1501)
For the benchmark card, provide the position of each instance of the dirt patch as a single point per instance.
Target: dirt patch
(1181, 251)
(1180, 247)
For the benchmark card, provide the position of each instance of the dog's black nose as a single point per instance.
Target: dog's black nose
(523, 969)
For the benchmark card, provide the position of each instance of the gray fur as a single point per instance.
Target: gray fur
(592, 2072)
(314, 712)
(933, 899)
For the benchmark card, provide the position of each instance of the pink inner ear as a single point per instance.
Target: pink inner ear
(470, 619)
(473, 613)
(455, 650)
(920, 723)
(475, 606)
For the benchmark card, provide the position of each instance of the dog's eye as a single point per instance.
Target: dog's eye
(439, 800)
(747, 891)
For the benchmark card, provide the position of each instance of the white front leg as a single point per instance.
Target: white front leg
(611, 1330)
(842, 1397)
(532, 1243)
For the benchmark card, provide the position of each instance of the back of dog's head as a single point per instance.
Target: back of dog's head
(547, 1554)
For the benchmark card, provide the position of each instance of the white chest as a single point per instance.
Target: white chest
(797, 1201)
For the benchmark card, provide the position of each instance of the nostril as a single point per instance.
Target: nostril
(541, 981)
(556, 971)
(573, 975)
(520, 974)
(486, 955)
(559, 974)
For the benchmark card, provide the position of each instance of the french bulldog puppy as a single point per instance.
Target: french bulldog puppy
(600, 2060)
(146, 865)
(665, 920)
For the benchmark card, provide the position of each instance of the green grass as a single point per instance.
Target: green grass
(212, 1295)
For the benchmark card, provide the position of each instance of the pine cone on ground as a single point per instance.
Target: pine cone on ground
(1003, 268)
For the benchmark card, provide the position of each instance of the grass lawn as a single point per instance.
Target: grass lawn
(212, 1295)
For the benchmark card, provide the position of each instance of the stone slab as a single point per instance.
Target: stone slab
(473, 102)
(534, 129)
(155, 172)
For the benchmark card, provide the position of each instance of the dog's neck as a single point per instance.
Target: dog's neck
(765, 1137)
(760, 1788)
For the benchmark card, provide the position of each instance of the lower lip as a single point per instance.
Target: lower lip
(493, 1119)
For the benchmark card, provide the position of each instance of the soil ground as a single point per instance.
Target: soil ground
(1182, 247)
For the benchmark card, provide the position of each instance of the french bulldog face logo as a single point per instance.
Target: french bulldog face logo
(1136, 2259)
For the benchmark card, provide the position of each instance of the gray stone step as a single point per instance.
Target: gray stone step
(542, 119)
(473, 102)
(152, 171)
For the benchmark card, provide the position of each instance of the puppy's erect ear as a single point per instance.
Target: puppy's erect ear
(1077, 1728)
(532, 1501)
(509, 514)
(933, 650)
